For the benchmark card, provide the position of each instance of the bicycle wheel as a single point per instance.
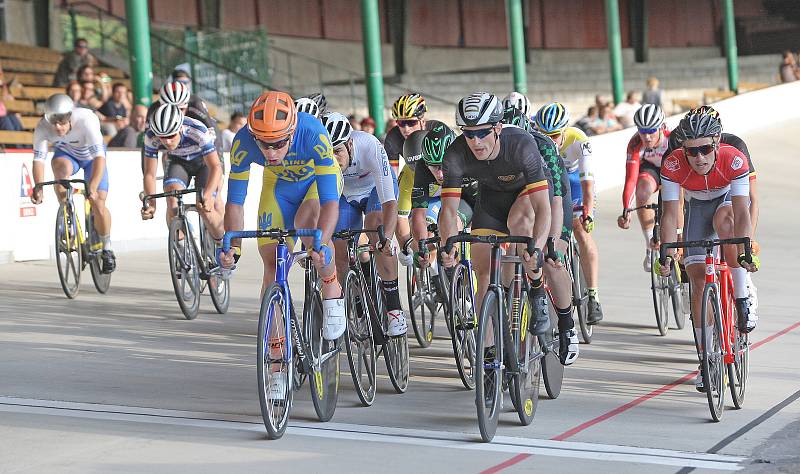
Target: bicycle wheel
(324, 377)
(739, 368)
(183, 268)
(580, 293)
(552, 370)
(359, 343)
(462, 322)
(218, 287)
(102, 281)
(489, 373)
(420, 300)
(712, 361)
(275, 367)
(395, 349)
(68, 251)
(659, 286)
(676, 293)
(525, 383)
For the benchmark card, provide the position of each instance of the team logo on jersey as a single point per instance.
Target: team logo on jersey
(413, 158)
(237, 156)
(672, 164)
(507, 178)
(417, 193)
(586, 148)
(737, 163)
(324, 149)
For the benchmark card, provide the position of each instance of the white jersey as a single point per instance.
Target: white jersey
(83, 142)
(369, 169)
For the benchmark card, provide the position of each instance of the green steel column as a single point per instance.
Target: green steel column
(139, 46)
(731, 52)
(516, 39)
(371, 28)
(615, 49)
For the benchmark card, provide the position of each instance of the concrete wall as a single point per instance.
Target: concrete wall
(20, 27)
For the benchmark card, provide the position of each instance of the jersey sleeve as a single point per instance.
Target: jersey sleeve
(453, 169)
(393, 144)
(533, 169)
(40, 143)
(420, 193)
(94, 137)
(240, 172)
(632, 163)
(584, 150)
(326, 169)
(151, 145)
(740, 145)
(739, 174)
(381, 172)
(670, 187)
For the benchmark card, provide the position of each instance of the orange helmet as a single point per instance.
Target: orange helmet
(272, 116)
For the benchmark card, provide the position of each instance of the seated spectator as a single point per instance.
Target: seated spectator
(75, 92)
(653, 94)
(788, 69)
(113, 110)
(85, 74)
(368, 125)
(88, 98)
(624, 110)
(103, 87)
(238, 120)
(585, 123)
(606, 122)
(131, 136)
(68, 67)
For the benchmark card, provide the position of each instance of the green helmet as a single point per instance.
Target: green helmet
(435, 143)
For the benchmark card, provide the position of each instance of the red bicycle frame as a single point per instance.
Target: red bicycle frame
(718, 272)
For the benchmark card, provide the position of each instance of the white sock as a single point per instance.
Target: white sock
(698, 334)
(106, 239)
(648, 236)
(739, 275)
(709, 337)
(434, 268)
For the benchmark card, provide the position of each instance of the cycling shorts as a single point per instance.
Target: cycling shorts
(699, 224)
(576, 192)
(351, 213)
(180, 171)
(86, 166)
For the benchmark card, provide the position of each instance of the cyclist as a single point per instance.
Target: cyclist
(513, 189)
(78, 143)
(642, 171)
(409, 112)
(369, 199)
(310, 106)
(191, 154)
(576, 151)
(301, 188)
(177, 92)
(560, 234)
(519, 102)
(714, 178)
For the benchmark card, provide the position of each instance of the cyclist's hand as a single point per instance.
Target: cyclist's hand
(421, 260)
(665, 269)
(554, 257)
(755, 247)
(588, 224)
(388, 248)
(624, 220)
(449, 258)
(533, 262)
(655, 243)
(322, 258)
(208, 200)
(228, 259)
(405, 259)
(37, 196)
(149, 211)
(91, 193)
(752, 264)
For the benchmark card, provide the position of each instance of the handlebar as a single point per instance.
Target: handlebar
(349, 234)
(708, 245)
(653, 206)
(175, 193)
(67, 183)
(492, 239)
(272, 234)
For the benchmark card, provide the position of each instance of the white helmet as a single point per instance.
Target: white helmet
(479, 108)
(338, 127)
(518, 101)
(175, 93)
(58, 108)
(166, 120)
(648, 117)
(304, 104)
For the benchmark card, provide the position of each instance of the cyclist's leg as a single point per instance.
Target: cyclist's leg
(588, 249)
(405, 184)
(276, 210)
(176, 178)
(724, 226)
(645, 188)
(349, 218)
(63, 166)
(213, 218)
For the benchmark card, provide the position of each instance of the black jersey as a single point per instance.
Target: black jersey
(393, 144)
(426, 187)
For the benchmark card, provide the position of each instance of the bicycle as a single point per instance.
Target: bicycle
(463, 320)
(516, 358)
(192, 264)
(730, 347)
(580, 290)
(667, 291)
(287, 347)
(426, 292)
(367, 322)
(77, 245)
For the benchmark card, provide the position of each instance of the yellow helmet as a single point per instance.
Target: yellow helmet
(409, 106)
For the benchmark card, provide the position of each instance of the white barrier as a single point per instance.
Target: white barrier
(32, 227)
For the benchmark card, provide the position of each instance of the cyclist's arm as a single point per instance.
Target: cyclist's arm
(453, 170)
(328, 175)
(631, 177)
(740, 199)
(214, 175)
(556, 217)
(753, 206)
(586, 177)
(39, 153)
(97, 149)
(238, 179)
(150, 154)
(384, 183)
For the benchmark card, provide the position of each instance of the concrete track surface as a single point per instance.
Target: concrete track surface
(122, 383)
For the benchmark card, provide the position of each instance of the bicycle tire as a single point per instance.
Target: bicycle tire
(324, 377)
(360, 345)
(489, 377)
(712, 363)
(102, 281)
(274, 411)
(740, 367)
(181, 256)
(463, 327)
(218, 287)
(676, 293)
(552, 369)
(580, 293)
(659, 287)
(67, 244)
(525, 383)
(395, 348)
(422, 317)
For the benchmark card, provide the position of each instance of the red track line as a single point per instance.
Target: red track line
(583, 426)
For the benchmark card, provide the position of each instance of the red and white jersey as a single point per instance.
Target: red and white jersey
(636, 154)
(729, 173)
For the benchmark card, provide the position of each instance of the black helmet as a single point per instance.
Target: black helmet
(412, 147)
(322, 102)
(699, 123)
(435, 144)
(514, 116)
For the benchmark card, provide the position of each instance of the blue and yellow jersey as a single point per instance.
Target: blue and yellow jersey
(310, 157)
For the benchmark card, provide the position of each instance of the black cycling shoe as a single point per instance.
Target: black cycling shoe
(743, 311)
(540, 323)
(595, 312)
(109, 261)
(568, 346)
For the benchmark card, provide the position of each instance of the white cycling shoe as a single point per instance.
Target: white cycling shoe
(277, 386)
(397, 323)
(334, 319)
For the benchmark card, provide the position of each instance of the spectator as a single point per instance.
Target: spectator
(606, 122)
(354, 122)
(238, 120)
(67, 68)
(624, 110)
(131, 135)
(586, 122)
(75, 92)
(368, 125)
(788, 69)
(600, 101)
(103, 87)
(115, 115)
(653, 94)
(85, 73)
(88, 98)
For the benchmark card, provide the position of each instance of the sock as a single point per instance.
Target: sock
(392, 295)
(106, 239)
(537, 283)
(365, 267)
(648, 235)
(434, 268)
(709, 337)
(739, 275)
(593, 294)
(565, 322)
(698, 334)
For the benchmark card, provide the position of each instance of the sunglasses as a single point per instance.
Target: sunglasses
(554, 136)
(408, 123)
(83, 46)
(696, 150)
(647, 131)
(280, 144)
(168, 137)
(480, 133)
